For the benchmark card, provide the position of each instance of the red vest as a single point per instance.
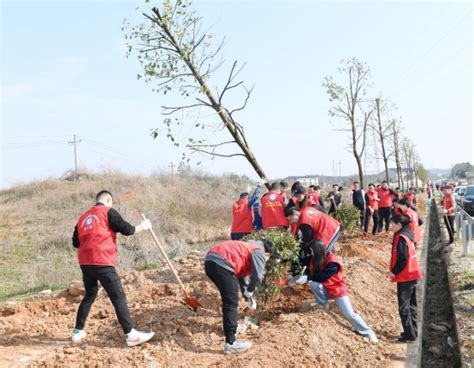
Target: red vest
(411, 197)
(414, 226)
(335, 286)
(373, 203)
(385, 198)
(273, 210)
(448, 204)
(97, 241)
(313, 198)
(411, 272)
(242, 217)
(324, 226)
(237, 254)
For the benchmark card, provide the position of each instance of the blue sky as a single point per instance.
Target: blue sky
(63, 72)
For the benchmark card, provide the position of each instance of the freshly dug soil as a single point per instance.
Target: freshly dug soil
(37, 332)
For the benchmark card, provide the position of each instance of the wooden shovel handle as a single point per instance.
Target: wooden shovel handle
(167, 260)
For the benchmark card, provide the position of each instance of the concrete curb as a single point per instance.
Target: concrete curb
(414, 350)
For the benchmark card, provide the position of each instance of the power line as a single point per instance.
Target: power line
(75, 142)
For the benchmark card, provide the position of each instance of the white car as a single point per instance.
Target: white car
(459, 192)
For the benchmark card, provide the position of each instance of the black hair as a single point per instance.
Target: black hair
(335, 185)
(269, 246)
(275, 186)
(397, 188)
(312, 186)
(356, 182)
(317, 187)
(404, 202)
(291, 211)
(101, 194)
(400, 219)
(371, 184)
(295, 185)
(319, 255)
(244, 195)
(385, 182)
(283, 184)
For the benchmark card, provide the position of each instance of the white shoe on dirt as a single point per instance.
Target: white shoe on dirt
(238, 346)
(320, 306)
(373, 338)
(78, 335)
(135, 337)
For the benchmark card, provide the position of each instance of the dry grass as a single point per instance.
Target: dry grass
(37, 221)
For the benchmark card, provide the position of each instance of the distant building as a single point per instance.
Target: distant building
(306, 180)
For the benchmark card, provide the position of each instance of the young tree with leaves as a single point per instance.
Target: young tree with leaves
(348, 101)
(178, 55)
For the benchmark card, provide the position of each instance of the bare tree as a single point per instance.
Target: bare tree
(177, 54)
(348, 100)
(408, 152)
(396, 144)
(383, 130)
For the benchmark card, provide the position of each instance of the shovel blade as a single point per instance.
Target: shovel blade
(193, 303)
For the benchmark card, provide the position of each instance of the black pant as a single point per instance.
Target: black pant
(362, 212)
(375, 217)
(110, 281)
(228, 286)
(406, 293)
(237, 236)
(450, 226)
(384, 215)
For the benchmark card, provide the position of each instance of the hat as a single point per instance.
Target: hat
(299, 189)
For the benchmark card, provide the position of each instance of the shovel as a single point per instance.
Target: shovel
(193, 303)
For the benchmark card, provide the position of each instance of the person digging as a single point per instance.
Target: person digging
(95, 237)
(228, 265)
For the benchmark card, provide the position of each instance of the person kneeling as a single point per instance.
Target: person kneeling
(327, 282)
(228, 265)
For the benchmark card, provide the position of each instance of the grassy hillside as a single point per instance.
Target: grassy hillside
(37, 220)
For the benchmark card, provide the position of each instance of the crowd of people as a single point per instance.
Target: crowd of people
(235, 265)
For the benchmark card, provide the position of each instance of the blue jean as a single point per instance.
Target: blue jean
(344, 305)
(333, 241)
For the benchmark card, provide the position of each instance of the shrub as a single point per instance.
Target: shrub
(348, 216)
(286, 253)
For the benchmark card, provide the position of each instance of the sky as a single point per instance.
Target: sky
(64, 72)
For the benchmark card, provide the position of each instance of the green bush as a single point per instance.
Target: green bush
(286, 253)
(348, 216)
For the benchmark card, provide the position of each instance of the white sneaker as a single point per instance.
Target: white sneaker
(373, 338)
(320, 306)
(241, 328)
(135, 337)
(238, 346)
(78, 335)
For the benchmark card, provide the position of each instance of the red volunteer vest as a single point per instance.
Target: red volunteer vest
(385, 198)
(242, 217)
(97, 241)
(373, 203)
(313, 199)
(324, 226)
(411, 197)
(237, 254)
(335, 286)
(273, 210)
(412, 271)
(448, 203)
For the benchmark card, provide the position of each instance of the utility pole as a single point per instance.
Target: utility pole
(74, 143)
(172, 166)
(340, 175)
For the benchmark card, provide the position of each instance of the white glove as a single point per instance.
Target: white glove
(248, 294)
(249, 188)
(251, 303)
(445, 212)
(302, 280)
(146, 224)
(262, 182)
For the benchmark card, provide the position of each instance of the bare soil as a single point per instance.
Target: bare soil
(36, 333)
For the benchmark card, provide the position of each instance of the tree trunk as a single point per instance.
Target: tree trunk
(361, 172)
(382, 140)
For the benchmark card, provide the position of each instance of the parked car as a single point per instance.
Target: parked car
(467, 201)
(459, 193)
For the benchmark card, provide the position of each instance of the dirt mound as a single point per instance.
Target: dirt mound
(37, 332)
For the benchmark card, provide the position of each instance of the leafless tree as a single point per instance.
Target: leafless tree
(177, 54)
(349, 100)
(383, 130)
(396, 144)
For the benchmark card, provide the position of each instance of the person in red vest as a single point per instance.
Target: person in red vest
(95, 237)
(398, 193)
(411, 196)
(405, 271)
(242, 214)
(371, 210)
(449, 209)
(315, 224)
(385, 205)
(231, 264)
(314, 197)
(299, 200)
(327, 282)
(273, 209)
(402, 207)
